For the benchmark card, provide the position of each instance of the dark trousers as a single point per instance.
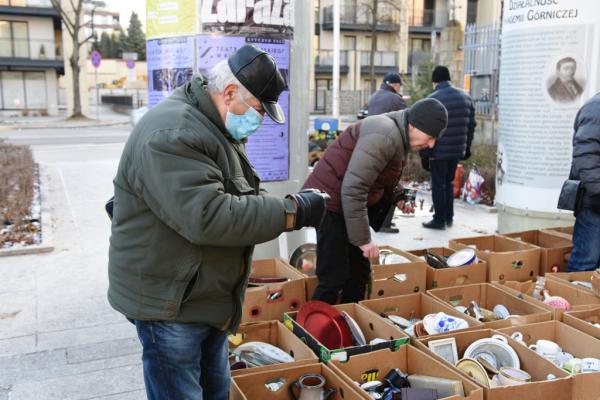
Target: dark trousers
(442, 189)
(586, 242)
(341, 266)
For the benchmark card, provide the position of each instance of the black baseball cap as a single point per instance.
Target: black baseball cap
(257, 71)
(392, 77)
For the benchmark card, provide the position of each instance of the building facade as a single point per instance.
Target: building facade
(104, 21)
(31, 57)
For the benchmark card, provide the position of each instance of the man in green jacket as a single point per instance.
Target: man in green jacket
(187, 212)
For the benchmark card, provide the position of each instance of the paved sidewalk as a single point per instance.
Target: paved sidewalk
(59, 339)
(98, 116)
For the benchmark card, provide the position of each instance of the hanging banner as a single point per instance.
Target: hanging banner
(170, 65)
(242, 17)
(549, 67)
(268, 148)
(165, 18)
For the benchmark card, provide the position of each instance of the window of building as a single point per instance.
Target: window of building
(14, 39)
(23, 90)
(472, 11)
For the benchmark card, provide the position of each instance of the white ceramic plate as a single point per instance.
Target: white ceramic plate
(461, 258)
(265, 351)
(357, 333)
(504, 354)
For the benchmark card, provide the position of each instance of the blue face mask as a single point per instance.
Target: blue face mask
(242, 126)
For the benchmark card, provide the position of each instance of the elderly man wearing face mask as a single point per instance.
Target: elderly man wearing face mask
(187, 213)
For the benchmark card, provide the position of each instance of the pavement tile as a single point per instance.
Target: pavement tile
(17, 314)
(16, 277)
(17, 345)
(98, 351)
(87, 335)
(135, 395)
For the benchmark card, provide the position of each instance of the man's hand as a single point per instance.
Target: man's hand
(406, 207)
(311, 206)
(370, 250)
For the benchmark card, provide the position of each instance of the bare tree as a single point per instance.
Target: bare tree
(373, 10)
(72, 21)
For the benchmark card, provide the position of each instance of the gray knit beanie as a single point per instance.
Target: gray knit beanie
(429, 116)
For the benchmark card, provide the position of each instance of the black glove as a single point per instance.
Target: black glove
(467, 154)
(312, 206)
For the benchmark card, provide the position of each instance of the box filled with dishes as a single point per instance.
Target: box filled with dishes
(508, 259)
(502, 366)
(420, 315)
(492, 305)
(587, 321)
(582, 280)
(555, 295)
(447, 267)
(313, 381)
(408, 373)
(343, 330)
(274, 287)
(266, 345)
(396, 272)
(554, 250)
(568, 348)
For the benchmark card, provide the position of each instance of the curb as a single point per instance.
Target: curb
(47, 244)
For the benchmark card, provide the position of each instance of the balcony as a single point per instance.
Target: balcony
(428, 20)
(385, 61)
(324, 62)
(33, 8)
(359, 18)
(31, 53)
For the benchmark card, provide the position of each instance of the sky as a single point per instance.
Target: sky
(125, 7)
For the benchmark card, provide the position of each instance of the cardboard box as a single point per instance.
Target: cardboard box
(416, 305)
(567, 277)
(488, 296)
(564, 232)
(555, 250)
(311, 283)
(410, 360)
(372, 326)
(375, 261)
(446, 277)
(275, 333)
(537, 366)
(396, 279)
(508, 259)
(252, 386)
(580, 345)
(269, 302)
(579, 298)
(579, 320)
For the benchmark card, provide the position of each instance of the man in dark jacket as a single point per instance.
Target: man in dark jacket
(586, 168)
(455, 145)
(361, 167)
(187, 212)
(388, 98)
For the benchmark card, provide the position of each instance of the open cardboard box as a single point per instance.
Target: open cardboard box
(579, 320)
(488, 296)
(579, 298)
(253, 386)
(311, 283)
(375, 261)
(446, 277)
(371, 325)
(537, 366)
(580, 345)
(269, 302)
(416, 305)
(555, 250)
(396, 279)
(275, 333)
(568, 277)
(374, 366)
(508, 259)
(563, 231)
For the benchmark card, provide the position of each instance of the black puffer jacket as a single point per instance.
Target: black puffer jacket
(385, 100)
(456, 141)
(586, 151)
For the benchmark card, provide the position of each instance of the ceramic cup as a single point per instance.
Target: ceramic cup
(501, 311)
(562, 358)
(573, 366)
(518, 336)
(590, 364)
(441, 323)
(513, 376)
(546, 348)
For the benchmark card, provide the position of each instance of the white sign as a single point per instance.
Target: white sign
(549, 68)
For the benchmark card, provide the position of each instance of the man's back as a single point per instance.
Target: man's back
(385, 100)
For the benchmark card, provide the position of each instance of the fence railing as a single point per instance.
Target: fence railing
(382, 58)
(325, 57)
(428, 17)
(33, 49)
(360, 15)
(26, 3)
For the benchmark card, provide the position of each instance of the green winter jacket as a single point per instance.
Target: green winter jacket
(187, 214)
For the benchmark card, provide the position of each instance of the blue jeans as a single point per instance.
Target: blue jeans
(442, 189)
(184, 361)
(586, 242)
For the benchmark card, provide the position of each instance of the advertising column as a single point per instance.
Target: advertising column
(549, 68)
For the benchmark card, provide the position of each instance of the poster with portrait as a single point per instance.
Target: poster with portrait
(170, 65)
(549, 68)
(268, 148)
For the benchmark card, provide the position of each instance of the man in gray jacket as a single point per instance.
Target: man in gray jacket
(362, 167)
(586, 168)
